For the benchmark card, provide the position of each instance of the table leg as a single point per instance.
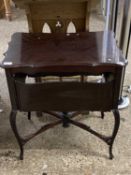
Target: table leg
(102, 114)
(65, 119)
(14, 128)
(109, 140)
(7, 9)
(38, 80)
(29, 115)
(116, 127)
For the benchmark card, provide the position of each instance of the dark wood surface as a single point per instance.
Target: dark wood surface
(62, 53)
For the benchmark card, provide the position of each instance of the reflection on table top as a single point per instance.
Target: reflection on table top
(62, 52)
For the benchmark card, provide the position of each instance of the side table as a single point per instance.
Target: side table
(36, 55)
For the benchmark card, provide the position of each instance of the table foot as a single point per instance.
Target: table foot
(102, 115)
(110, 152)
(14, 128)
(21, 154)
(115, 131)
(65, 119)
(8, 17)
(111, 139)
(29, 115)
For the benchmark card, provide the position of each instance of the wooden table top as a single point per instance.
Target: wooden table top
(62, 52)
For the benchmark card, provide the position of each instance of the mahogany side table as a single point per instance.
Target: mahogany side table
(63, 55)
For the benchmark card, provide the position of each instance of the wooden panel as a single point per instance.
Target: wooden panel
(52, 10)
(51, 13)
(65, 96)
(23, 3)
(37, 25)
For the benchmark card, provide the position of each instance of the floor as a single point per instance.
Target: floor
(61, 151)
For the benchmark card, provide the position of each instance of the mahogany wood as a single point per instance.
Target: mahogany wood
(60, 54)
